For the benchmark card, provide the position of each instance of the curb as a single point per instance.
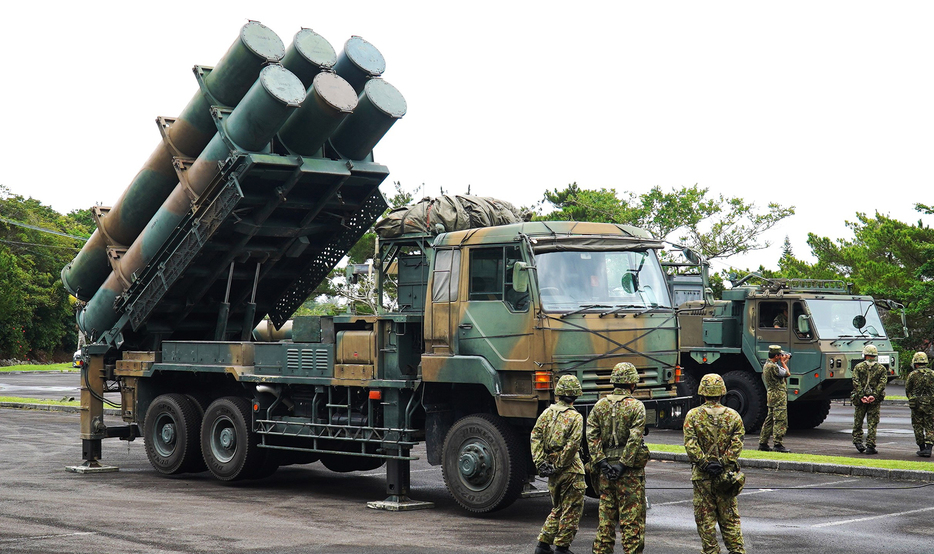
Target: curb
(54, 408)
(813, 467)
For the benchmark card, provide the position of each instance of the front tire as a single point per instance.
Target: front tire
(807, 415)
(483, 464)
(171, 430)
(745, 393)
(228, 442)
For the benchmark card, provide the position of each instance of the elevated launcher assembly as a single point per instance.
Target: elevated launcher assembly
(254, 194)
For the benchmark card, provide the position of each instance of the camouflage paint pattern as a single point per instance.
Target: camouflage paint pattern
(615, 427)
(189, 134)
(869, 379)
(919, 388)
(776, 419)
(714, 432)
(556, 438)
(585, 344)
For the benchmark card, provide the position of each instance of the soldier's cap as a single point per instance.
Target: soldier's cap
(775, 350)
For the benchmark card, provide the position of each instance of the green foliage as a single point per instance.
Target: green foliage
(36, 313)
(717, 227)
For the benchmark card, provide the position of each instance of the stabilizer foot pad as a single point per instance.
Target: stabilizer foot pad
(91, 467)
(399, 504)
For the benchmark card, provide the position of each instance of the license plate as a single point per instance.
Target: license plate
(884, 360)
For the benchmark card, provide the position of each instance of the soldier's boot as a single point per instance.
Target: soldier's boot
(859, 446)
(780, 448)
(763, 446)
(871, 449)
(926, 451)
(543, 548)
(562, 550)
(920, 451)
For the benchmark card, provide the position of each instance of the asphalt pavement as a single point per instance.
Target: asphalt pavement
(44, 509)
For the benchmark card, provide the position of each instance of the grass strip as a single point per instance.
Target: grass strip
(895, 397)
(813, 458)
(19, 400)
(44, 367)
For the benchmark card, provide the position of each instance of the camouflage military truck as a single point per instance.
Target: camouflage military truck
(256, 193)
(821, 323)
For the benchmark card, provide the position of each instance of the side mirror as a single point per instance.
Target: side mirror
(520, 277)
(628, 282)
(859, 322)
(804, 325)
(691, 256)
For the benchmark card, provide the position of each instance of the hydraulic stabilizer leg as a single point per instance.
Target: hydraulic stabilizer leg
(397, 487)
(93, 430)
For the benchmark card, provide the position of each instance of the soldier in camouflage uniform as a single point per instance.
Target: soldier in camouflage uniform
(774, 373)
(615, 428)
(713, 440)
(869, 380)
(919, 387)
(556, 440)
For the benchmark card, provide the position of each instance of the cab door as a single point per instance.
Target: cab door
(495, 321)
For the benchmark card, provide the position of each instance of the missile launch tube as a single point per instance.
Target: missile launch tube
(359, 62)
(230, 79)
(251, 125)
(378, 108)
(330, 100)
(308, 55)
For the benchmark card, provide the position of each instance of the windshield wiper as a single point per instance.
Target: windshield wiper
(620, 308)
(584, 309)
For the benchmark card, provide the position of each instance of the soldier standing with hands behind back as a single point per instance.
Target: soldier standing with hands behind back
(869, 380)
(555, 441)
(713, 441)
(919, 387)
(615, 428)
(774, 373)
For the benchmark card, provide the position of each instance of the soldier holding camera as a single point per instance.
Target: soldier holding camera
(774, 373)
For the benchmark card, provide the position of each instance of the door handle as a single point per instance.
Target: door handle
(465, 326)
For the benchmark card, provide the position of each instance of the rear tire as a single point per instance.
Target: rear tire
(170, 431)
(483, 464)
(745, 393)
(807, 415)
(228, 442)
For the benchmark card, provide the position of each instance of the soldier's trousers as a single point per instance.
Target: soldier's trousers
(567, 501)
(712, 508)
(621, 501)
(922, 422)
(871, 413)
(776, 422)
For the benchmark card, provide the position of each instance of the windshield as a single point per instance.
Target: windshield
(571, 280)
(834, 318)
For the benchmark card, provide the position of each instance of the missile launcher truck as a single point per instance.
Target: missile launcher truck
(821, 323)
(255, 193)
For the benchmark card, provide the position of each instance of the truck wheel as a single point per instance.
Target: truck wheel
(807, 415)
(745, 393)
(688, 387)
(171, 431)
(482, 463)
(228, 442)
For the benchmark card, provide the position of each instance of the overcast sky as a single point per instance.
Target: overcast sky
(827, 106)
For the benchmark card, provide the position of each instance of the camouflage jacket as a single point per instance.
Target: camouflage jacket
(774, 383)
(920, 385)
(713, 432)
(869, 378)
(615, 427)
(556, 438)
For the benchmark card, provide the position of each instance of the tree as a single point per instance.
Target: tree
(717, 227)
(36, 313)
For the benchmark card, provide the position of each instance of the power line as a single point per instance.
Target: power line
(38, 244)
(34, 228)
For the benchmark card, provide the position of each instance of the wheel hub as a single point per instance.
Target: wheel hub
(228, 439)
(736, 400)
(475, 464)
(168, 433)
